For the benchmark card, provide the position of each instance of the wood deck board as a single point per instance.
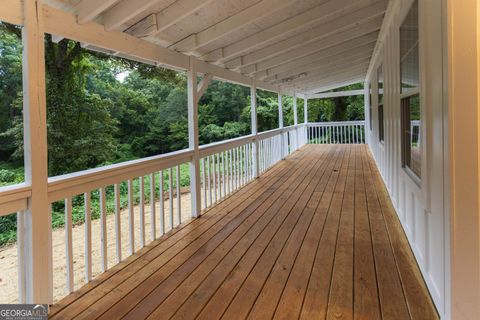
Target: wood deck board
(314, 237)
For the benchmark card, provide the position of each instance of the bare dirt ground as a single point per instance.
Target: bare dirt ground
(8, 255)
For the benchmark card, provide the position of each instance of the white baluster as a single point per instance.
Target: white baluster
(131, 217)
(103, 229)
(153, 218)
(170, 195)
(161, 202)
(68, 245)
(142, 211)
(118, 224)
(88, 237)
(179, 197)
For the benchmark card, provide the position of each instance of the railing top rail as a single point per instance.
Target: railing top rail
(75, 183)
(337, 123)
(14, 198)
(60, 187)
(220, 146)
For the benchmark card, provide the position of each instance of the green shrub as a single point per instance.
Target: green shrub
(7, 176)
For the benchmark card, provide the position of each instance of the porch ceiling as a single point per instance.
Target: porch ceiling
(293, 44)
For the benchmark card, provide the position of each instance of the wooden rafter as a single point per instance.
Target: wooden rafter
(330, 83)
(125, 10)
(361, 53)
(335, 85)
(347, 93)
(362, 35)
(322, 13)
(343, 28)
(326, 79)
(340, 49)
(88, 10)
(330, 72)
(225, 27)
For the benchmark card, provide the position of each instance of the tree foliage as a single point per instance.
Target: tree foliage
(103, 109)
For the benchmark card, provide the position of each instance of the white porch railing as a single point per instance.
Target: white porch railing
(348, 132)
(154, 205)
(229, 165)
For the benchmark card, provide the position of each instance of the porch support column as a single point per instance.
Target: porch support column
(464, 156)
(280, 124)
(305, 117)
(253, 103)
(193, 97)
(366, 109)
(305, 110)
(295, 119)
(37, 254)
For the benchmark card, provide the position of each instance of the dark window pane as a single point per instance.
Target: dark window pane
(409, 57)
(411, 126)
(380, 84)
(380, 124)
(410, 81)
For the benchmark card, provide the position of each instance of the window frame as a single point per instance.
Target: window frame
(380, 105)
(405, 95)
(370, 107)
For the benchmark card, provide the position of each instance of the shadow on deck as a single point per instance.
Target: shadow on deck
(314, 237)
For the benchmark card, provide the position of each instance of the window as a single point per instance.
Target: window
(370, 113)
(410, 93)
(411, 133)
(381, 128)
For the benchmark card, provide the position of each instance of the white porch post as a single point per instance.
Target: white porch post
(253, 103)
(366, 110)
(305, 117)
(305, 110)
(37, 226)
(280, 123)
(295, 119)
(193, 138)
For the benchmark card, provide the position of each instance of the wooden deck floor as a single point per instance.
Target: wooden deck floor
(315, 237)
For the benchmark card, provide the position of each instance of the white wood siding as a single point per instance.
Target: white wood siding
(421, 207)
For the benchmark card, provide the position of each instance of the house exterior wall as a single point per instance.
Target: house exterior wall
(464, 140)
(420, 205)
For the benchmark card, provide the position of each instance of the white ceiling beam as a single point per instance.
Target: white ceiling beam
(359, 35)
(88, 10)
(115, 18)
(158, 22)
(334, 85)
(349, 46)
(65, 24)
(325, 79)
(307, 78)
(331, 72)
(177, 11)
(11, 11)
(322, 13)
(225, 27)
(143, 27)
(361, 53)
(331, 81)
(348, 93)
(339, 27)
